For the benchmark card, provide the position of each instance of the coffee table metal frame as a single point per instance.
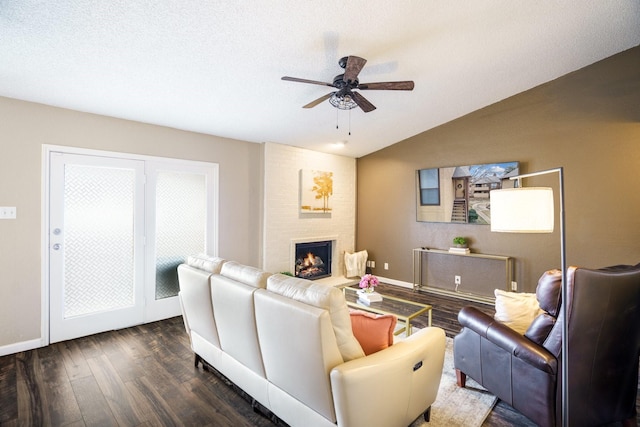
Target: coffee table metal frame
(403, 309)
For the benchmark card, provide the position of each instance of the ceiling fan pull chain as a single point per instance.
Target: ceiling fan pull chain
(349, 122)
(337, 118)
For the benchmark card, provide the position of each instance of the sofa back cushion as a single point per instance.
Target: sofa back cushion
(548, 293)
(195, 300)
(326, 297)
(246, 274)
(233, 309)
(299, 349)
(206, 262)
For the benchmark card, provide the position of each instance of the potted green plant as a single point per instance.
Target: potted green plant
(459, 242)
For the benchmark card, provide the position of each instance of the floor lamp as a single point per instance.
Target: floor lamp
(530, 210)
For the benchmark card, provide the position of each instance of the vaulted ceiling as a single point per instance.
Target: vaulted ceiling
(215, 67)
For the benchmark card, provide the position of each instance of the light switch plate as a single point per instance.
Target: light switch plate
(7, 212)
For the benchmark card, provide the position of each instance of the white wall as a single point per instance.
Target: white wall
(283, 223)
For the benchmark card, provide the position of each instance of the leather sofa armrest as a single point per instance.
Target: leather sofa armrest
(508, 339)
(392, 385)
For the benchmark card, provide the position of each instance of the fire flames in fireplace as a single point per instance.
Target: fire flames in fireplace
(313, 261)
(310, 266)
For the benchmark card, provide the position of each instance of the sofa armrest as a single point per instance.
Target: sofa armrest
(508, 339)
(392, 386)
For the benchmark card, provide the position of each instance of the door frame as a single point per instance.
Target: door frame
(45, 262)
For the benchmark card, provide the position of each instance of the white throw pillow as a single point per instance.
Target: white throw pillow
(516, 310)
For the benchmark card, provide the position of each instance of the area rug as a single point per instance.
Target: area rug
(456, 406)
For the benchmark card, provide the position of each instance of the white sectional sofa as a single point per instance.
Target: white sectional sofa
(287, 342)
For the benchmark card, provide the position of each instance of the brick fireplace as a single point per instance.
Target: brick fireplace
(283, 224)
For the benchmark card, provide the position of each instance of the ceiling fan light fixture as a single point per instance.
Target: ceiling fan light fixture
(342, 102)
(344, 98)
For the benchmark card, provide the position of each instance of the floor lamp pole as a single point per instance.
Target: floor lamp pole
(563, 267)
(565, 319)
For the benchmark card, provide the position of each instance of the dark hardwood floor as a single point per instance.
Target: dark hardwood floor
(144, 376)
(139, 376)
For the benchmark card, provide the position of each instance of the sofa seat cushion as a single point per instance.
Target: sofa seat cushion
(206, 262)
(516, 310)
(326, 297)
(373, 332)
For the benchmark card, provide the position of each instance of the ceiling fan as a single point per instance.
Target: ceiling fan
(344, 97)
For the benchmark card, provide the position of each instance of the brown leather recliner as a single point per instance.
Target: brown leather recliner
(603, 349)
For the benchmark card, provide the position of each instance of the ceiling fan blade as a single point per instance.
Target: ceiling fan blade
(353, 68)
(362, 102)
(318, 101)
(405, 85)
(315, 82)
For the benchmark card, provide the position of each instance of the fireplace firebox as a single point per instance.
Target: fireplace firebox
(313, 260)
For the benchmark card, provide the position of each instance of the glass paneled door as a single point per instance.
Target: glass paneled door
(180, 222)
(96, 244)
(118, 229)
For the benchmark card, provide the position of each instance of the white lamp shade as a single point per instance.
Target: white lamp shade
(522, 210)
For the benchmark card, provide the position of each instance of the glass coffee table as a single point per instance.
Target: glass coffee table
(404, 310)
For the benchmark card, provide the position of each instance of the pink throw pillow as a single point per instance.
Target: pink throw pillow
(373, 332)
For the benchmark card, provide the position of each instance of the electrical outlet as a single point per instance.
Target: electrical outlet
(373, 264)
(386, 265)
(457, 280)
(7, 212)
(514, 286)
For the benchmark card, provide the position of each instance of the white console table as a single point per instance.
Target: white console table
(435, 269)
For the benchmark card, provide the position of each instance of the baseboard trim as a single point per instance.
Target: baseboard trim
(444, 292)
(395, 282)
(21, 346)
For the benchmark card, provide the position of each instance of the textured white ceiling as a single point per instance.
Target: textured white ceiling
(215, 66)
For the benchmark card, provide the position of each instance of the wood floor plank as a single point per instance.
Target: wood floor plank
(130, 344)
(120, 402)
(179, 400)
(74, 360)
(125, 362)
(89, 346)
(8, 389)
(93, 405)
(30, 392)
(225, 401)
(62, 408)
(154, 409)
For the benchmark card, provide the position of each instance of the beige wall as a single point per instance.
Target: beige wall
(25, 126)
(587, 122)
